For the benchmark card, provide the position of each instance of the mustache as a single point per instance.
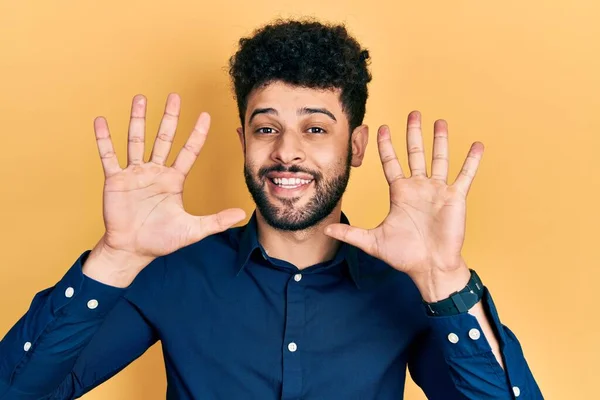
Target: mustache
(262, 172)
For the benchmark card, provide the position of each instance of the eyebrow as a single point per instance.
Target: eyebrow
(301, 111)
(308, 110)
(262, 111)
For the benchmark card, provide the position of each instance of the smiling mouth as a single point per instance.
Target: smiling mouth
(290, 183)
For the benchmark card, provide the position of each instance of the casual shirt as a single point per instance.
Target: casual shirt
(235, 323)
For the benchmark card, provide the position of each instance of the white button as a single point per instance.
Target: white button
(92, 304)
(516, 391)
(69, 292)
(292, 347)
(474, 334)
(27, 346)
(453, 338)
(297, 277)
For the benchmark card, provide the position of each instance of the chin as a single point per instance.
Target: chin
(294, 219)
(295, 207)
(290, 224)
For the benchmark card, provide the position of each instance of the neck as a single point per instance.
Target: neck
(300, 248)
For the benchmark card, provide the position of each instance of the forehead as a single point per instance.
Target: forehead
(286, 97)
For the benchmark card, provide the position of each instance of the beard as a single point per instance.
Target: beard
(288, 216)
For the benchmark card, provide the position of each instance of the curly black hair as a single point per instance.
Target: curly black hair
(307, 54)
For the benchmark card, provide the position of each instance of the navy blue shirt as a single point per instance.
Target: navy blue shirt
(235, 323)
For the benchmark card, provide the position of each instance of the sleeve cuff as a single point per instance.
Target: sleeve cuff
(461, 335)
(79, 295)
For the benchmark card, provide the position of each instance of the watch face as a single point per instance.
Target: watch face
(460, 302)
(470, 299)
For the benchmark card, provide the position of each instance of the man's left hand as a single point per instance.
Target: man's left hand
(424, 231)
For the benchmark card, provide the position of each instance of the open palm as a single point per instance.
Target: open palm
(425, 227)
(143, 203)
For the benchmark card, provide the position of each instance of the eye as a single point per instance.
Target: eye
(316, 130)
(265, 130)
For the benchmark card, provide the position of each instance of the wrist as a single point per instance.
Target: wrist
(113, 267)
(438, 284)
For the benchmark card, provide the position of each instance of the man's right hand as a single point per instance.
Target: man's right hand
(143, 204)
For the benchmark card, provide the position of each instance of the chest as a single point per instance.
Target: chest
(288, 334)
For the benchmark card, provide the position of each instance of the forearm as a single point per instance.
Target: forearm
(467, 355)
(479, 312)
(39, 351)
(438, 286)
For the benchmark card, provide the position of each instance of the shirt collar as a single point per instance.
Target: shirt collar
(249, 243)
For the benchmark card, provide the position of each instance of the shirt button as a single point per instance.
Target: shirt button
(453, 338)
(27, 346)
(92, 304)
(297, 277)
(292, 347)
(474, 334)
(516, 391)
(69, 292)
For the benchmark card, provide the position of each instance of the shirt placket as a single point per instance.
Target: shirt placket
(292, 343)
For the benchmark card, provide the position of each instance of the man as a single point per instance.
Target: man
(297, 304)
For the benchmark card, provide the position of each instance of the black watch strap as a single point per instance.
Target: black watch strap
(458, 302)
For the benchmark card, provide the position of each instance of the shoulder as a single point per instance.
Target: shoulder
(394, 287)
(221, 246)
(378, 275)
(215, 253)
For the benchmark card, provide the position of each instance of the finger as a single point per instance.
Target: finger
(469, 169)
(391, 166)
(440, 158)
(137, 126)
(190, 151)
(215, 223)
(357, 237)
(166, 131)
(414, 145)
(110, 162)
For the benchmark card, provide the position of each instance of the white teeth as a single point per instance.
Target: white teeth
(290, 182)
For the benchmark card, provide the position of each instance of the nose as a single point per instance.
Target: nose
(287, 149)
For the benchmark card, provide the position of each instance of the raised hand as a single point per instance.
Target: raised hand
(143, 204)
(424, 231)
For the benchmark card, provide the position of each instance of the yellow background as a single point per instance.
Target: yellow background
(522, 77)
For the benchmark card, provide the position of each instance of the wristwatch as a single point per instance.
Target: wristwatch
(458, 302)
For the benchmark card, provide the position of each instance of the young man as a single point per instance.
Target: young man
(296, 304)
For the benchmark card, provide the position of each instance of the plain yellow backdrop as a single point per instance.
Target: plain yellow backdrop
(522, 77)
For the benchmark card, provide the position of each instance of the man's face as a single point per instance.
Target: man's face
(298, 154)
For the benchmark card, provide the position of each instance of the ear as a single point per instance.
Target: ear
(360, 138)
(240, 132)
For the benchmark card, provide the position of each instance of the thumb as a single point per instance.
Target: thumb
(215, 223)
(358, 237)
